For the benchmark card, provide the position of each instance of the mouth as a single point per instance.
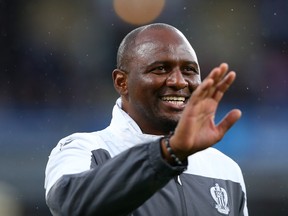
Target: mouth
(178, 101)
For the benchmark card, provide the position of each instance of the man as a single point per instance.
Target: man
(136, 166)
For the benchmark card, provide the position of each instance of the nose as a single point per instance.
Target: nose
(176, 80)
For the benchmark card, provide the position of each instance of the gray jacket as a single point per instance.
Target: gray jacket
(120, 171)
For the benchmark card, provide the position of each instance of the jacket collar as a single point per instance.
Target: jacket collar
(123, 124)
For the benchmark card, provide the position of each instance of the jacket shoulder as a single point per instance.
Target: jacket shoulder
(215, 164)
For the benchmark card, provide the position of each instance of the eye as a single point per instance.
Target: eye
(159, 69)
(190, 70)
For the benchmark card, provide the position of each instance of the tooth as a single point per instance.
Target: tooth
(173, 98)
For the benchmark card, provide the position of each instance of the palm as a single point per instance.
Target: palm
(196, 129)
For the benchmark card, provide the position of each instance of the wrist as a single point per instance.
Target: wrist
(168, 153)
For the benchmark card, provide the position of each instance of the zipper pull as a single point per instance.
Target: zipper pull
(178, 180)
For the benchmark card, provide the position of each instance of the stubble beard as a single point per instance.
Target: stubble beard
(167, 125)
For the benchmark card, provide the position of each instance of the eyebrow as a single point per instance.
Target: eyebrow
(186, 62)
(192, 62)
(182, 61)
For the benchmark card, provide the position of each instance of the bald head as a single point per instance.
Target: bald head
(126, 51)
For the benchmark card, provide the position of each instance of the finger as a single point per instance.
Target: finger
(223, 70)
(228, 121)
(224, 85)
(217, 74)
(218, 71)
(226, 82)
(209, 85)
(211, 78)
(202, 90)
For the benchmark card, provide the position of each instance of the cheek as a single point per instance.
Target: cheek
(194, 82)
(147, 84)
(138, 89)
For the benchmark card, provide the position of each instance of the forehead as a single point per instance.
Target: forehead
(163, 42)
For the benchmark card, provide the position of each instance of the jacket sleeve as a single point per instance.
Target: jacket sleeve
(111, 186)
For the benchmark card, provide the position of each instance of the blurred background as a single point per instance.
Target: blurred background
(56, 60)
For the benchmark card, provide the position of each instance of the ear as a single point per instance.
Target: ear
(120, 81)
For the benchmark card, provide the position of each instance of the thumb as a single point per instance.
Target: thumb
(228, 121)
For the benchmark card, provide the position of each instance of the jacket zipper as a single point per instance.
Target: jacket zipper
(181, 194)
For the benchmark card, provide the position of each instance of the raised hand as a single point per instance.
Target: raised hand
(196, 129)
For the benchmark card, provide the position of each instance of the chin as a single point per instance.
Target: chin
(169, 124)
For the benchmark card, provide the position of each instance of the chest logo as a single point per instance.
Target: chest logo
(220, 197)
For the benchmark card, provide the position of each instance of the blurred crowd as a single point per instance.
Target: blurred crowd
(61, 53)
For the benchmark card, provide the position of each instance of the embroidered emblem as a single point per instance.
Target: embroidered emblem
(221, 199)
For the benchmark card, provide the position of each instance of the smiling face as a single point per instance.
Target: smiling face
(160, 76)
